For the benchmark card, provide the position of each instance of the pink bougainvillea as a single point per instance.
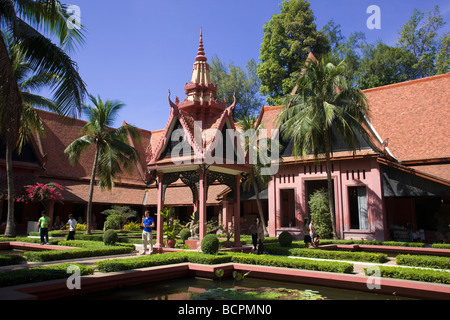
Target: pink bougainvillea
(40, 192)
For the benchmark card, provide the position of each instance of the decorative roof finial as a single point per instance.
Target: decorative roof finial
(201, 51)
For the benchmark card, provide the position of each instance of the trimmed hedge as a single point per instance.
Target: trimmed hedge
(441, 245)
(86, 249)
(22, 276)
(8, 260)
(195, 257)
(413, 274)
(424, 261)
(374, 242)
(327, 254)
(295, 263)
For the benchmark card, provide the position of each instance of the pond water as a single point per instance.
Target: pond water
(185, 288)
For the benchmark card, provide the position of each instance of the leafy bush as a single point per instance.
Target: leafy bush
(296, 263)
(285, 239)
(132, 226)
(185, 234)
(210, 244)
(110, 237)
(22, 276)
(327, 254)
(117, 216)
(441, 245)
(196, 257)
(413, 274)
(7, 260)
(424, 261)
(320, 213)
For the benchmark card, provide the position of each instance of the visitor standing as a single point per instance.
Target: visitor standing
(43, 223)
(72, 223)
(307, 239)
(147, 237)
(312, 231)
(254, 232)
(260, 238)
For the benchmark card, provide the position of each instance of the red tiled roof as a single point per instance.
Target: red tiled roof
(414, 117)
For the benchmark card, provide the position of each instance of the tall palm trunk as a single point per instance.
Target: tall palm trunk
(10, 231)
(330, 183)
(10, 114)
(91, 193)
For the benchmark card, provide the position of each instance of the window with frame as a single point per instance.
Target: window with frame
(359, 214)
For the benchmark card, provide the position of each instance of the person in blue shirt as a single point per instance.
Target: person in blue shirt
(147, 238)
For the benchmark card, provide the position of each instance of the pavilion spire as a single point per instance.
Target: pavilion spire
(201, 50)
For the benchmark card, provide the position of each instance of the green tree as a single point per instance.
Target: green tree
(118, 216)
(112, 150)
(24, 21)
(232, 80)
(443, 56)
(319, 206)
(324, 109)
(383, 65)
(420, 36)
(254, 147)
(288, 39)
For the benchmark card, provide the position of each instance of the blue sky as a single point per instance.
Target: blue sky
(136, 50)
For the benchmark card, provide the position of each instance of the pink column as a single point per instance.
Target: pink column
(160, 222)
(202, 205)
(237, 213)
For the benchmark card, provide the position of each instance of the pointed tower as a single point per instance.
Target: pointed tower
(201, 92)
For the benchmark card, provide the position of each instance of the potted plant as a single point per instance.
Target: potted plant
(171, 226)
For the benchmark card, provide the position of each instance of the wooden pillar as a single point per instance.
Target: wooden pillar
(202, 204)
(50, 208)
(160, 222)
(237, 213)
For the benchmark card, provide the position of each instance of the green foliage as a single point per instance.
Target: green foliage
(320, 213)
(132, 226)
(413, 274)
(441, 245)
(210, 244)
(184, 234)
(285, 239)
(117, 216)
(85, 249)
(233, 81)
(12, 259)
(257, 294)
(327, 254)
(171, 226)
(424, 261)
(110, 237)
(288, 39)
(23, 276)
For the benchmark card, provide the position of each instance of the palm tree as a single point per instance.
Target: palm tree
(324, 109)
(111, 146)
(258, 158)
(24, 21)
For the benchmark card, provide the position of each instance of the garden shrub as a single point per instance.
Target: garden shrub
(327, 254)
(8, 260)
(320, 213)
(297, 263)
(210, 244)
(285, 239)
(413, 274)
(424, 261)
(22, 276)
(185, 234)
(110, 237)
